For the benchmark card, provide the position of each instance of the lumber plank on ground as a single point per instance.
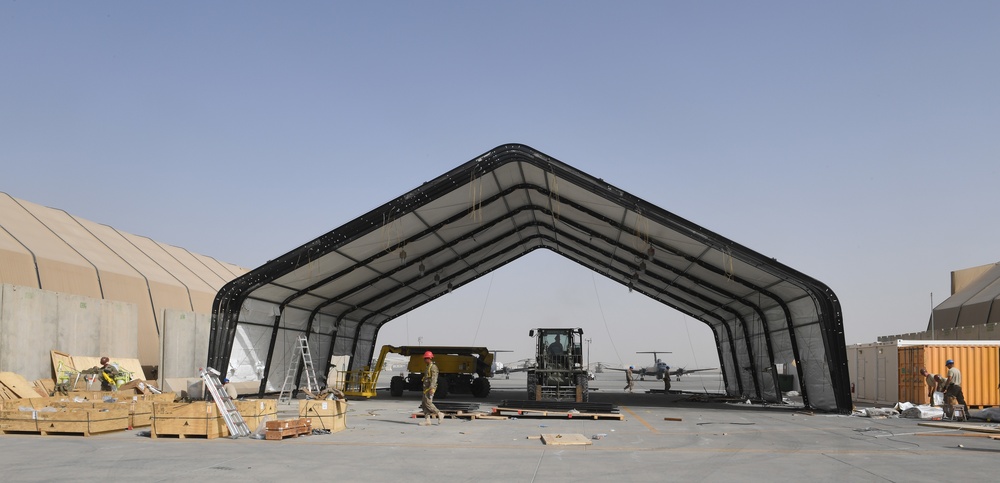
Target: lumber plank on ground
(977, 427)
(555, 414)
(566, 439)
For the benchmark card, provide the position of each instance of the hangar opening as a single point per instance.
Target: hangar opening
(342, 287)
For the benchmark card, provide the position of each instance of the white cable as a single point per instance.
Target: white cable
(483, 313)
(601, 308)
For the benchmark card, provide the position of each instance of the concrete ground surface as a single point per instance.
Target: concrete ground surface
(713, 442)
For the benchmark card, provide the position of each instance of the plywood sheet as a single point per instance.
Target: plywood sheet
(17, 385)
(566, 439)
(61, 361)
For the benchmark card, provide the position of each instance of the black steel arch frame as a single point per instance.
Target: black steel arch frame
(729, 310)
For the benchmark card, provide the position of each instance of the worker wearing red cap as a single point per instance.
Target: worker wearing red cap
(430, 385)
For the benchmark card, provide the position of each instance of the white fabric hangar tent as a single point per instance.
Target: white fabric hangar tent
(340, 288)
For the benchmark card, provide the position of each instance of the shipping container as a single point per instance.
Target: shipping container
(979, 362)
(884, 373)
(873, 372)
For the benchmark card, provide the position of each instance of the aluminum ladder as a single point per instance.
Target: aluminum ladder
(290, 384)
(234, 420)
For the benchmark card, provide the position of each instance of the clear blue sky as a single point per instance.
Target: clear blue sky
(854, 141)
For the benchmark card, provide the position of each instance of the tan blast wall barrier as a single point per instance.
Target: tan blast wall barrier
(52, 250)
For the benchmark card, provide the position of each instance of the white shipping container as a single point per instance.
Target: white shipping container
(874, 372)
(874, 368)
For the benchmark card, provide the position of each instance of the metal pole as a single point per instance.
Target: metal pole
(932, 315)
(588, 356)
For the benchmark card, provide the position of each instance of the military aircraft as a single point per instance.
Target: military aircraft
(681, 371)
(659, 368)
(498, 367)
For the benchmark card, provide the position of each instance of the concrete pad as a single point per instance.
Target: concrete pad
(711, 442)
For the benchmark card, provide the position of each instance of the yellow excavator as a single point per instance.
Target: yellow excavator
(462, 370)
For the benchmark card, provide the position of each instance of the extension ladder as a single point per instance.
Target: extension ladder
(301, 352)
(234, 420)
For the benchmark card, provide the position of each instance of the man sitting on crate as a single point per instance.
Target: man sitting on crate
(230, 389)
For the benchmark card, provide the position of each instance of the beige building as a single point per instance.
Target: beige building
(972, 312)
(78, 286)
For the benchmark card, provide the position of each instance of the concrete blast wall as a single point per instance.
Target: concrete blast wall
(34, 322)
(185, 343)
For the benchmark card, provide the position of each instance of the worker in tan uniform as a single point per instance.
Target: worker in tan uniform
(430, 385)
(953, 384)
(230, 389)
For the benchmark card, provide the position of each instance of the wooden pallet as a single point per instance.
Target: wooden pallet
(541, 413)
(462, 415)
(287, 428)
(183, 436)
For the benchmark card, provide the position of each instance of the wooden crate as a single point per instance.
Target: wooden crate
(17, 404)
(325, 414)
(167, 397)
(256, 411)
(97, 396)
(18, 421)
(140, 412)
(85, 421)
(201, 419)
(82, 421)
(285, 428)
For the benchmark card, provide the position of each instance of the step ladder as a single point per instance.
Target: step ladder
(234, 420)
(301, 353)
